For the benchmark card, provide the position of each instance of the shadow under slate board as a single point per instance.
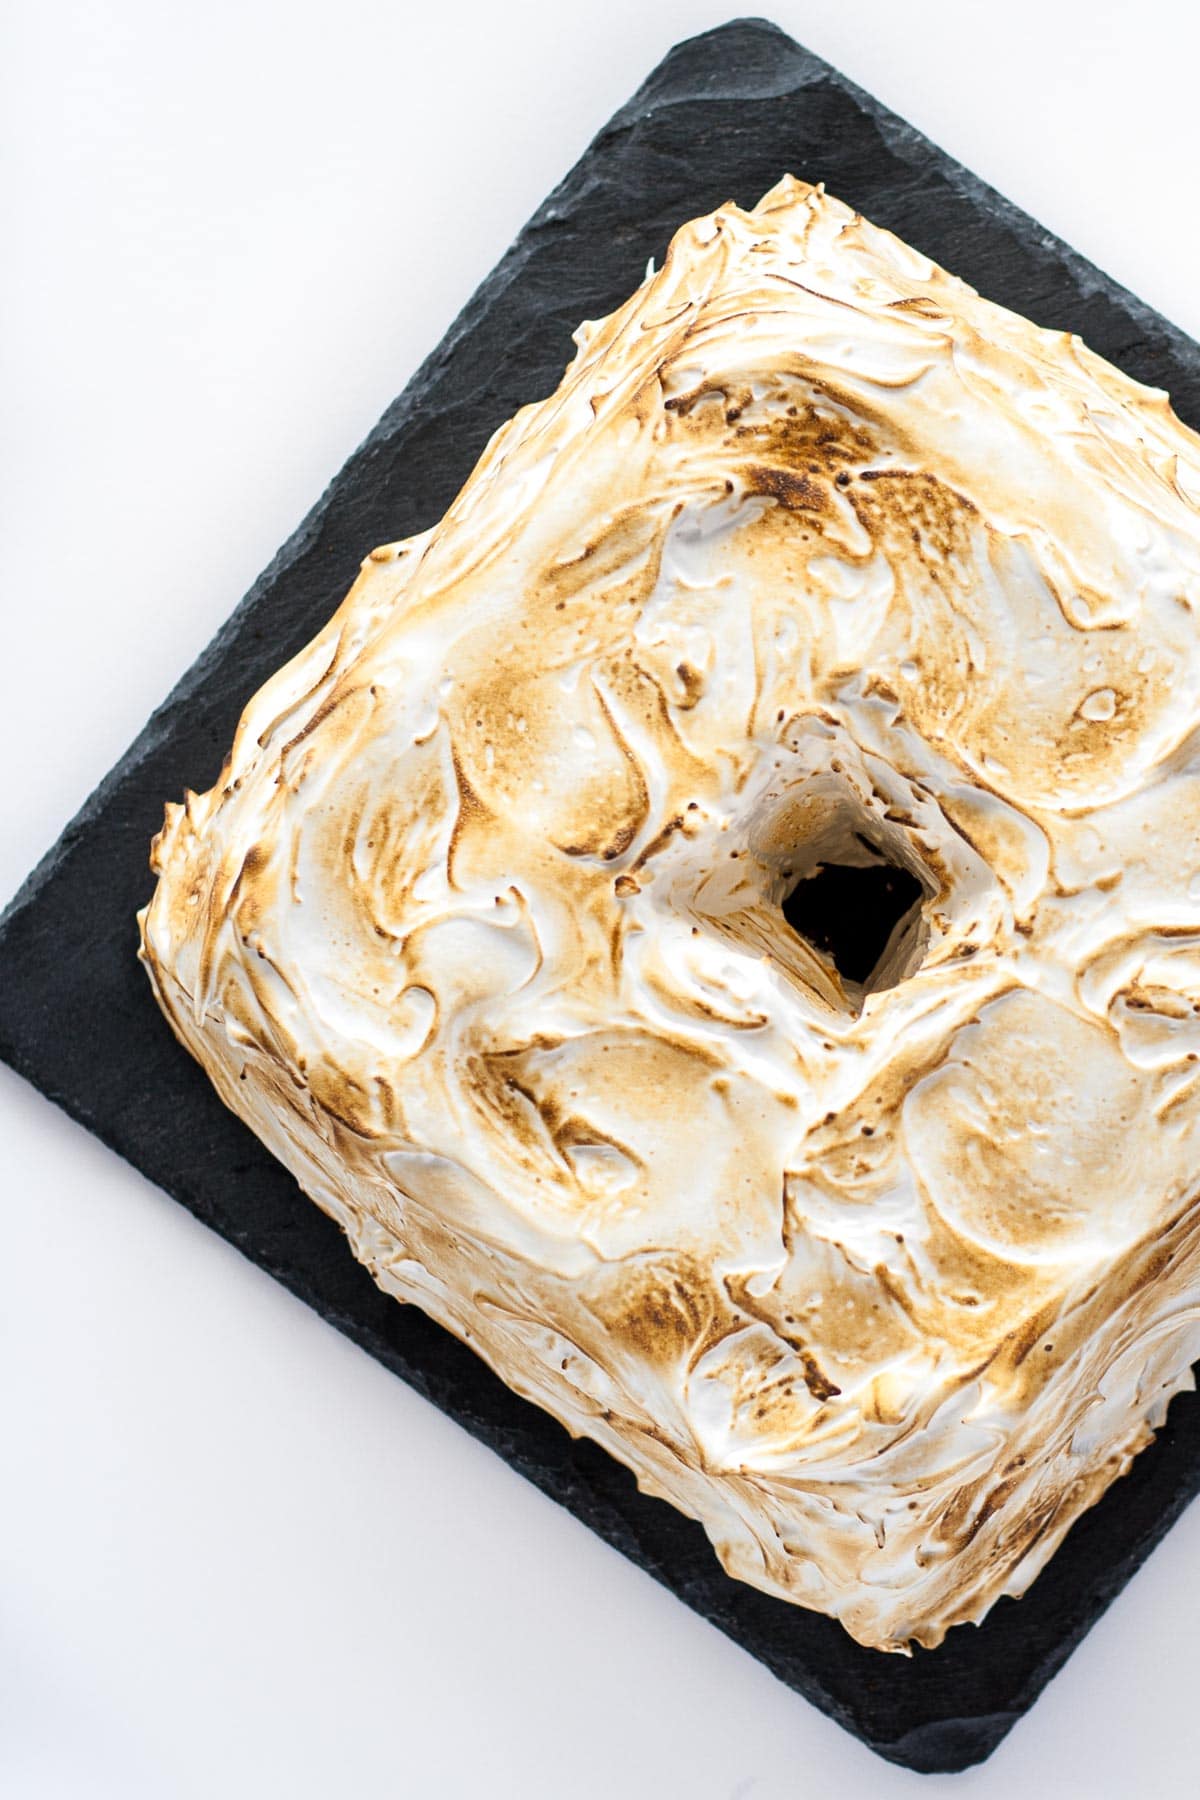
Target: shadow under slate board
(722, 117)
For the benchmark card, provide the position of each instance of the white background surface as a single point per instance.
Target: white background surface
(238, 1558)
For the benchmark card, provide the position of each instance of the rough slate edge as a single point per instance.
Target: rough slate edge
(721, 117)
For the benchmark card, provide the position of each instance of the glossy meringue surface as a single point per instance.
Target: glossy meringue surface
(813, 557)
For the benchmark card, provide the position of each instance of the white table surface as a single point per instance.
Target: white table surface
(237, 1558)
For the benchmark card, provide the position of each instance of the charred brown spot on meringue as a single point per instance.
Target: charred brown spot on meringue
(660, 1311)
(799, 493)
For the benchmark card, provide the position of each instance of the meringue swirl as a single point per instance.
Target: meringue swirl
(813, 556)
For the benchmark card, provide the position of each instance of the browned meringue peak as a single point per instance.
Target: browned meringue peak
(814, 557)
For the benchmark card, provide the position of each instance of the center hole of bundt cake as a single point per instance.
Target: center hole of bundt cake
(853, 915)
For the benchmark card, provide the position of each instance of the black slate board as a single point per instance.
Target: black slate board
(721, 117)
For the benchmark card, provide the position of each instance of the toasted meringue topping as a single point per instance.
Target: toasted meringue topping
(814, 559)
